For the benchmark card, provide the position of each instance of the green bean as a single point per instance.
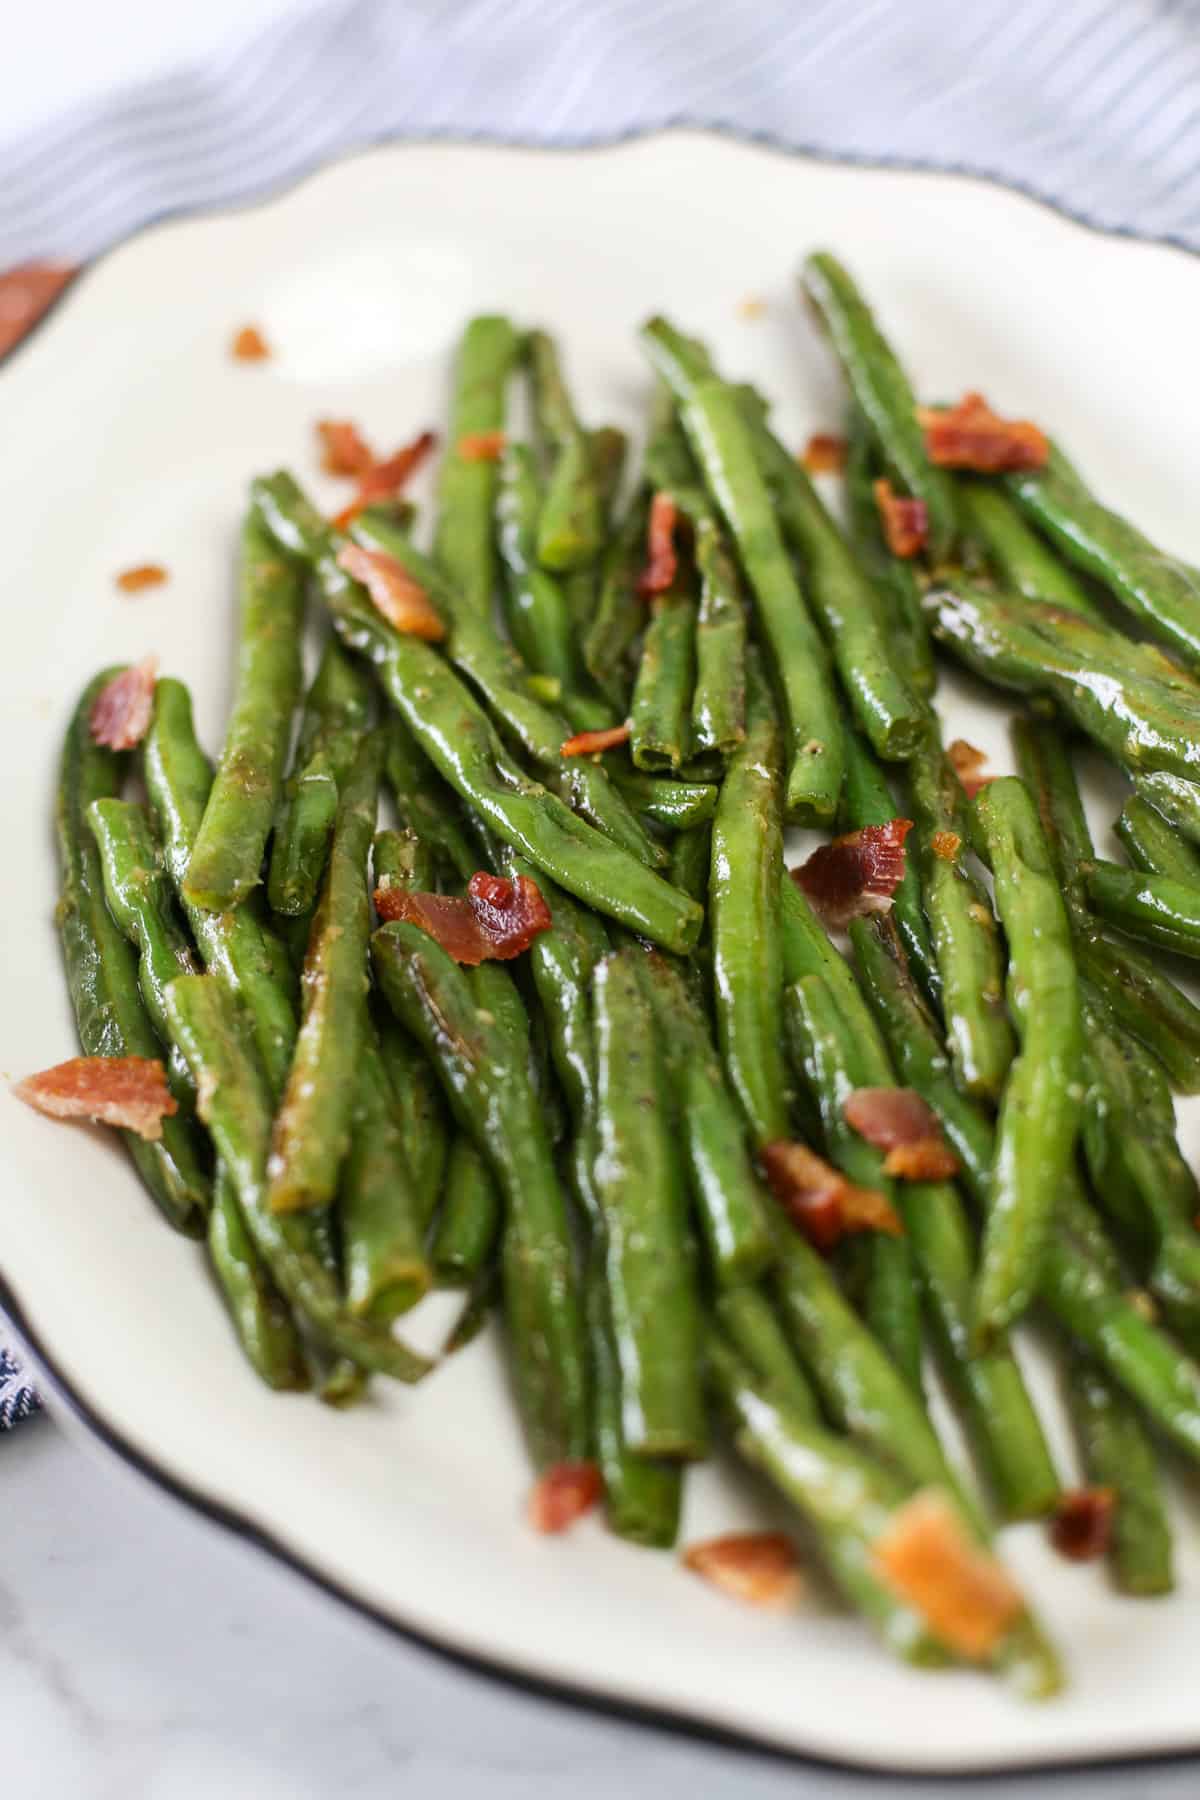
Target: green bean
(608, 448)
(493, 667)
(661, 710)
(469, 1221)
(640, 1188)
(827, 1056)
(965, 941)
(1021, 559)
(723, 437)
(102, 975)
(385, 1267)
(620, 610)
(427, 806)
(140, 899)
(846, 1497)
(1160, 591)
(227, 856)
(885, 706)
(401, 859)
(725, 1190)
(459, 741)
(882, 394)
(642, 1494)
(1175, 797)
(895, 579)
(1155, 909)
(719, 693)
(1151, 844)
(1044, 764)
(675, 805)
(571, 527)
(419, 1112)
(1118, 1454)
(691, 860)
(1040, 1109)
(313, 1126)
(463, 546)
(751, 1323)
(539, 621)
(336, 713)
(265, 1328)
(744, 888)
(1115, 691)
(235, 1104)
(486, 1082)
(868, 800)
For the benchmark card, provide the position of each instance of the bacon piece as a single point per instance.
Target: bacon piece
(819, 1200)
(824, 454)
(563, 1494)
(899, 1121)
(586, 743)
(971, 436)
(905, 521)
(481, 446)
(945, 845)
(857, 873)
(122, 710)
(402, 601)
(384, 480)
(926, 1557)
(25, 294)
(143, 575)
(250, 345)
(760, 1568)
(497, 920)
(663, 563)
(344, 450)
(129, 1091)
(967, 762)
(1082, 1523)
(752, 307)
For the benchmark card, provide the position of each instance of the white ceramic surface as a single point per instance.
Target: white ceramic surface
(130, 437)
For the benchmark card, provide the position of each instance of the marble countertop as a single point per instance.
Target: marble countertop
(147, 1655)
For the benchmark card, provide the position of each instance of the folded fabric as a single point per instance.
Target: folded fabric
(17, 1398)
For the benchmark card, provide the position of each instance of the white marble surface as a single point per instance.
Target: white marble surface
(147, 1655)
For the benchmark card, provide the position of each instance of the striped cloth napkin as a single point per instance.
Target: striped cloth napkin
(1088, 104)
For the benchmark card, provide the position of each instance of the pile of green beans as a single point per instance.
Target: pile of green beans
(585, 1131)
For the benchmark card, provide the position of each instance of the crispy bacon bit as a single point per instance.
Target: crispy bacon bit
(344, 450)
(250, 345)
(563, 1494)
(129, 1091)
(121, 711)
(25, 294)
(663, 564)
(587, 743)
(967, 762)
(144, 575)
(856, 874)
(971, 436)
(481, 446)
(898, 1120)
(945, 845)
(402, 601)
(760, 1568)
(905, 521)
(824, 454)
(819, 1200)
(926, 1557)
(1082, 1523)
(384, 480)
(497, 920)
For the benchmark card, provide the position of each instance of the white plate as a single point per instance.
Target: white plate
(130, 436)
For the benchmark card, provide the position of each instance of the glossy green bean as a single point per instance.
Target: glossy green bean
(661, 709)
(868, 800)
(383, 1259)
(1153, 846)
(1154, 909)
(571, 525)
(896, 580)
(426, 805)
(620, 610)
(337, 711)
(419, 1111)
(719, 691)
(1118, 1454)
(469, 1221)
(463, 544)
(1023, 561)
(642, 1494)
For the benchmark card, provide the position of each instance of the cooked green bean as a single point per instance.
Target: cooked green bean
(469, 1221)
(895, 578)
(102, 975)
(419, 1111)
(620, 610)
(661, 709)
(1040, 1109)
(1023, 561)
(427, 806)
(463, 546)
(227, 856)
(539, 621)
(868, 800)
(691, 860)
(751, 1323)
(383, 1260)
(648, 1257)
(675, 805)
(1118, 1454)
(336, 713)
(642, 1494)
(485, 1079)
(313, 1126)
(1155, 909)
(265, 1328)
(719, 693)
(882, 394)
(1175, 797)
(571, 526)
(1152, 845)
